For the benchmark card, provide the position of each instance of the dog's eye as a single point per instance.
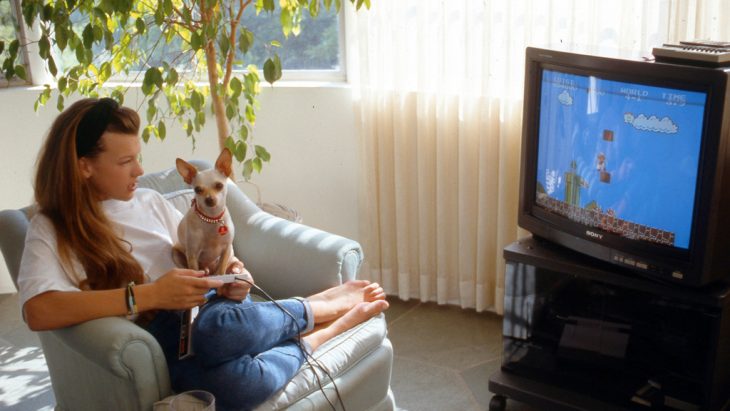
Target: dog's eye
(219, 186)
(198, 190)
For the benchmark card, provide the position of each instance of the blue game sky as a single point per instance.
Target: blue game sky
(653, 156)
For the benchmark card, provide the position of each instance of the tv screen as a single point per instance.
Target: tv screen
(624, 160)
(620, 156)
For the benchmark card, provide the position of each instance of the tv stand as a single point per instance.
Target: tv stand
(582, 334)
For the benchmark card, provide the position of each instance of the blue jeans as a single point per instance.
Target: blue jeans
(244, 352)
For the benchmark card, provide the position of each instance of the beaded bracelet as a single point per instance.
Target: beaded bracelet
(129, 298)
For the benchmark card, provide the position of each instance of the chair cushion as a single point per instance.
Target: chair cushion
(181, 199)
(337, 356)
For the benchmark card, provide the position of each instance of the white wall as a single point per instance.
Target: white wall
(308, 129)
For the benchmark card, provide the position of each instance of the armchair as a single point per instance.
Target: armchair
(111, 363)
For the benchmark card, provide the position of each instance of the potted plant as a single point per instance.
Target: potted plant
(206, 71)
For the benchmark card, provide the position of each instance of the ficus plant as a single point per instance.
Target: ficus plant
(189, 57)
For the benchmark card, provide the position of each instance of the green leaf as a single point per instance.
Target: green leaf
(62, 84)
(247, 169)
(13, 47)
(262, 153)
(314, 8)
(60, 102)
(88, 36)
(240, 151)
(230, 112)
(167, 6)
(61, 37)
(148, 81)
(29, 12)
(272, 69)
(140, 26)
(108, 39)
(20, 72)
(146, 134)
(196, 41)
(51, 66)
(44, 47)
(172, 77)
(224, 43)
(162, 129)
(160, 15)
(286, 21)
(245, 40)
(118, 95)
(257, 165)
(2, 46)
(151, 111)
(98, 33)
(189, 128)
(243, 133)
(81, 55)
(250, 114)
(47, 13)
(236, 86)
(195, 101)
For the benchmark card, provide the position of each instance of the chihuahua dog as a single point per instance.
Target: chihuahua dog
(205, 233)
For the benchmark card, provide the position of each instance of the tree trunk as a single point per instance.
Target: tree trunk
(216, 100)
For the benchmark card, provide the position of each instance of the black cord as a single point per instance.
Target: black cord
(307, 355)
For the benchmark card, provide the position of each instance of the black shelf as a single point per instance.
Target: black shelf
(582, 334)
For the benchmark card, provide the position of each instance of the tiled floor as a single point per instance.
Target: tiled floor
(443, 358)
(24, 381)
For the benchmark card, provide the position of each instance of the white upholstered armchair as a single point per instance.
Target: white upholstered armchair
(111, 363)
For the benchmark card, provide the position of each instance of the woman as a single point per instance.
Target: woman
(100, 247)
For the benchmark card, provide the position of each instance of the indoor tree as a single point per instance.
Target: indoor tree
(190, 57)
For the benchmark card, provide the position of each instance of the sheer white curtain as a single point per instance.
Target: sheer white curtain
(438, 88)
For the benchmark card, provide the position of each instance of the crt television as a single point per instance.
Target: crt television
(627, 161)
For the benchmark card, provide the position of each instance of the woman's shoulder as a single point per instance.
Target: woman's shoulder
(40, 224)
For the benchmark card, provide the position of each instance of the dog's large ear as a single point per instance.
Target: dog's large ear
(186, 170)
(223, 163)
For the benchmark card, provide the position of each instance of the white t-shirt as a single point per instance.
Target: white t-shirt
(147, 221)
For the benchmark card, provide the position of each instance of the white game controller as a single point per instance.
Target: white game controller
(226, 278)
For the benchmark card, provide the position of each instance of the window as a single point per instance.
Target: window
(315, 54)
(10, 30)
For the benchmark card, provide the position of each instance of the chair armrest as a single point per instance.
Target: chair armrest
(286, 258)
(120, 360)
(14, 224)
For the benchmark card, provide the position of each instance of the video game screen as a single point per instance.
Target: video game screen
(622, 157)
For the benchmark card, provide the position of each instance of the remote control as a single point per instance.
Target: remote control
(226, 278)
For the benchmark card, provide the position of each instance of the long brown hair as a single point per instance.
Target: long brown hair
(83, 230)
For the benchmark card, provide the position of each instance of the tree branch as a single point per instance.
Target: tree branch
(232, 51)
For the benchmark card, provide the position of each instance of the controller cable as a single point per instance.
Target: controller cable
(309, 358)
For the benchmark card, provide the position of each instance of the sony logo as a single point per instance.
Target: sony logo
(593, 234)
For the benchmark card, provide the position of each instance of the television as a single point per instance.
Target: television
(627, 161)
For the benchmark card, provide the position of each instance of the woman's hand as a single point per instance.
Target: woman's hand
(237, 290)
(180, 289)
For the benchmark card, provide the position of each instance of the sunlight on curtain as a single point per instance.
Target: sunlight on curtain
(439, 88)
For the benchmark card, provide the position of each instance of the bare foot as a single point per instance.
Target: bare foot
(336, 301)
(359, 313)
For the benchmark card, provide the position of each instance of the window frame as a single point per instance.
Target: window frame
(338, 75)
(23, 50)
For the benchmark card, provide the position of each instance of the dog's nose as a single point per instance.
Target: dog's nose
(209, 201)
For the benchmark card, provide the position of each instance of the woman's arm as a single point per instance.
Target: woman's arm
(177, 290)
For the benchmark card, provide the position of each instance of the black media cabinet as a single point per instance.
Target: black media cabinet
(581, 334)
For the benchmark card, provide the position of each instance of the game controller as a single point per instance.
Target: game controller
(226, 278)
